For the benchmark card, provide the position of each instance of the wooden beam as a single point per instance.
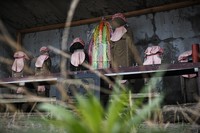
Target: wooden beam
(163, 8)
(127, 14)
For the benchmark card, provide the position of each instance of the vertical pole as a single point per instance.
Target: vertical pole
(198, 81)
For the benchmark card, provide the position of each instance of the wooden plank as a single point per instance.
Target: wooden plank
(145, 95)
(26, 99)
(151, 70)
(127, 14)
(7, 96)
(31, 79)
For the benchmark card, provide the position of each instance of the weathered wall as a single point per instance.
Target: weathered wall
(6, 52)
(174, 30)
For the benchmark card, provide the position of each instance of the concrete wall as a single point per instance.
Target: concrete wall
(174, 30)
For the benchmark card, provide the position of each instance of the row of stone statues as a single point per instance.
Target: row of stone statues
(111, 45)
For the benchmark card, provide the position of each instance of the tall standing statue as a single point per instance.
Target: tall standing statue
(123, 51)
(18, 67)
(43, 68)
(99, 48)
(78, 55)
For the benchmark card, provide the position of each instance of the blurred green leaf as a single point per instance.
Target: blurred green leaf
(64, 118)
(91, 112)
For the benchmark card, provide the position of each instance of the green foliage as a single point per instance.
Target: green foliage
(90, 117)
